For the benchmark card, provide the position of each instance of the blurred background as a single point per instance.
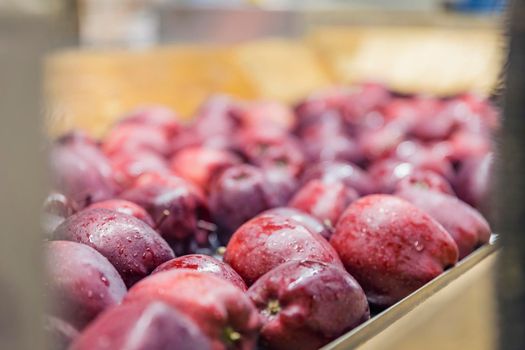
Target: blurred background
(84, 63)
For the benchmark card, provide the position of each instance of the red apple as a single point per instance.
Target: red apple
(142, 326)
(222, 311)
(157, 116)
(324, 201)
(80, 171)
(267, 241)
(206, 264)
(466, 225)
(306, 304)
(129, 166)
(425, 179)
(349, 174)
(200, 165)
(81, 282)
(131, 138)
(240, 193)
(305, 219)
(179, 209)
(391, 247)
(125, 207)
(130, 244)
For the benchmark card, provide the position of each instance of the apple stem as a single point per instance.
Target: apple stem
(231, 335)
(221, 250)
(273, 307)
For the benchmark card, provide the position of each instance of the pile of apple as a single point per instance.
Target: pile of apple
(261, 225)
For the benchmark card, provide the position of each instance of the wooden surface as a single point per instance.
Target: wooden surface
(91, 89)
(462, 316)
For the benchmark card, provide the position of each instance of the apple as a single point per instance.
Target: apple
(391, 247)
(130, 244)
(267, 241)
(306, 304)
(222, 311)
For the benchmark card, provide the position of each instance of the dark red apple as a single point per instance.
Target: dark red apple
(466, 225)
(264, 114)
(129, 166)
(391, 247)
(271, 147)
(130, 244)
(433, 157)
(214, 125)
(465, 145)
(156, 116)
(474, 179)
(387, 173)
(366, 98)
(142, 326)
(125, 207)
(222, 311)
(178, 208)
(306, 304)
(324, 201)
(425, 179)
(200, 165)
(327, 140)
(301, 217)
(282, 185)
(240, 193)
(80, 171)
(267, 241)
(130, 138)
(81, 283)
(379, 143)
(349, 174)
(206, 264)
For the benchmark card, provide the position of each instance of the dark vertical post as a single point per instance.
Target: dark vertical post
(511, 191)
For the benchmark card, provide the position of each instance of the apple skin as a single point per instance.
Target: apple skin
(387, 173)
(425, 179)
(326, 139)
(473, 181)
(271, 147)
(129, 166)
(267, 241)
(240, 193)
(60, 333)
(305, 219)
(306, 304)
(324, 201)
(206, 264)
(130, 138)
(391, 247)
(266, 114)
(465, 224)
(142, 326)
(222, 311)
(348, 173)
(200, 165)
(81, 282)
(130, 244)
(214, 125)
(154, 116)
(125, 207)
(80, 170)
(175, 205)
